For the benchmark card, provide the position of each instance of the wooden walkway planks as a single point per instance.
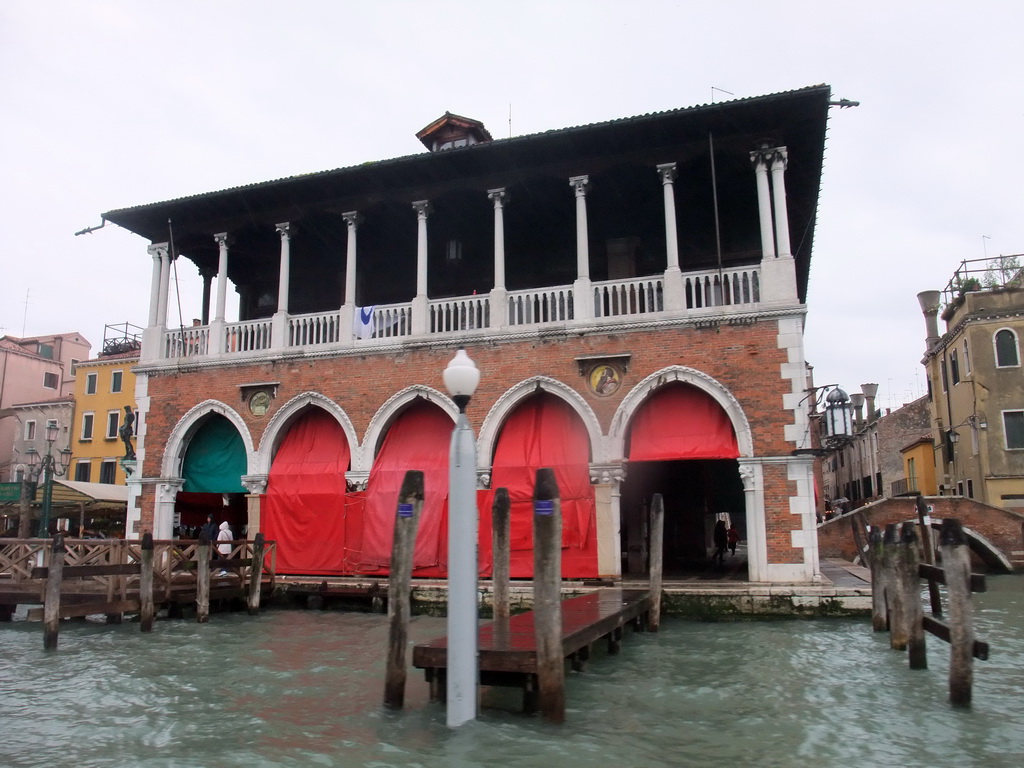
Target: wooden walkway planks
(508, 651)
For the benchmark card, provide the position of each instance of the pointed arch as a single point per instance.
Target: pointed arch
(389, 411)
(190, 423)
(279, 424)
(507, 403)
(636, 397)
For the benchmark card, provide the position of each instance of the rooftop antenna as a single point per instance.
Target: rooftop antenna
(719, 288)
(984, 245)
(24, 317)
(720, 90)
(510, 120)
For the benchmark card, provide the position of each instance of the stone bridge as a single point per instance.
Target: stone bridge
(995, 535)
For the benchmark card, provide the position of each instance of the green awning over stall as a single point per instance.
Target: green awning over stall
(215, 459)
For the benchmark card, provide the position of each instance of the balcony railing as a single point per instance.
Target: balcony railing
(247, 336)
(315, 329)
(904, 486)
(537, 307)
(469, 313)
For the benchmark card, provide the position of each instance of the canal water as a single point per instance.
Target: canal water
(304, 688)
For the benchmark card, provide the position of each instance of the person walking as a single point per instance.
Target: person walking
(734, 538)
(721, 541)
(224, 539)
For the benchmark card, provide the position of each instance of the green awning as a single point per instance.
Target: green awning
(215, 460)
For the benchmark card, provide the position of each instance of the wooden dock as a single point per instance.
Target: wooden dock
(104, 576)
(508, 649)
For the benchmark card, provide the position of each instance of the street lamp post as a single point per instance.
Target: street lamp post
(48, 466)
(461, 378)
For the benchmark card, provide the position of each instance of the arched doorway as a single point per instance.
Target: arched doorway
(305, 504)
(545, 431)
(681, 444)
(212, 468)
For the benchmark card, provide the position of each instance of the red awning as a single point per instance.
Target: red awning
(681, 422)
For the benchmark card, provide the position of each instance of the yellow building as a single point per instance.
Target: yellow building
(104, 387)
(919, 467)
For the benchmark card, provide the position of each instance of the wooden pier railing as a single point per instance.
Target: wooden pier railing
(83, 577)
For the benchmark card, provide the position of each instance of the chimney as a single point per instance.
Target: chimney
(857, 401)
(870, 390)
(929, 301)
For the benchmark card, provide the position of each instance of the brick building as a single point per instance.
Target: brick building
(632, 292)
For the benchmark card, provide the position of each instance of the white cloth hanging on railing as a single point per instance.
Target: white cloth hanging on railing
(364, 322)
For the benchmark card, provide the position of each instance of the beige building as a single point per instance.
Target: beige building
(976, 382)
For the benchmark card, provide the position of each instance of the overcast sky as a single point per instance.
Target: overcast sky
(114, 104)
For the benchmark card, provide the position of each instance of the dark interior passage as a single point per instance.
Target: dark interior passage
(694, 492)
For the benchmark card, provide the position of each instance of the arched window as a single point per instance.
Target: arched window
(1007, 351)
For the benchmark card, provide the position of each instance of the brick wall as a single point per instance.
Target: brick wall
(743, 358)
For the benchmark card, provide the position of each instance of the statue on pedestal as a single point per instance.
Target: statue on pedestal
(126, 433)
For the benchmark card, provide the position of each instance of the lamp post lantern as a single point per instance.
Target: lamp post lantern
(48, 466)
(460, 379)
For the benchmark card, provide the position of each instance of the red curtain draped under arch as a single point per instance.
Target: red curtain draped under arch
(304, 507)
(681, 422)
(418, 439)
(545, 432)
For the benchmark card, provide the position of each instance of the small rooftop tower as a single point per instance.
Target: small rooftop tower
(453, 131)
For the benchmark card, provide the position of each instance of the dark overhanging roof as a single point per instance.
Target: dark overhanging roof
(797, 118)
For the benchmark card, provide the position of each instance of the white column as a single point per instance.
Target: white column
(675, 297)
(500, 197)
(165, 497)
(285, 230)
(667, 171)
(348, 306)
(499, 296)
(218, 339)
(153, 336)
(279, 323)
(764, 204)
(419, 302)
(156, 251)
(165, 287)
(778, 275)
(582, 298)
(222, 274)
(352, 219)
(752, 476)
(780, 159)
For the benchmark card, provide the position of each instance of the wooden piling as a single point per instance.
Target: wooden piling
(410, 503)
(928, 548)
(203, 579)
(146, 608)
(913, 610)
(895, 583)
(657, 541)
(879, 617)
(501, 548)
(256, 573)
(547, 595)
(51, 604)
(956, 562)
